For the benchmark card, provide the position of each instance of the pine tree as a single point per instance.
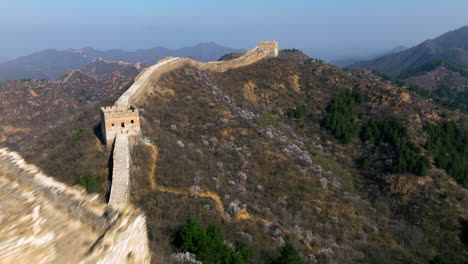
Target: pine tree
(289, 255)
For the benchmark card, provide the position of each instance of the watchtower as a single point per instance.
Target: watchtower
(116, 119)
(270, 46)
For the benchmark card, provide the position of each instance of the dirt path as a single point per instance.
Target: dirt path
(242, 215)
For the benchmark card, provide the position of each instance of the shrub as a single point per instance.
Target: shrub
(267, 120)
(366, 161)
(341, 118)
(301, 111)
(79, 134)
(291, 50)
(336, 168)
(208, 244)
(384, 76)
(438, 260)
(92, 183)
(289, 255)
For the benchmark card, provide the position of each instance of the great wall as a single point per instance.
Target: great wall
(121, 121)
(45, 221)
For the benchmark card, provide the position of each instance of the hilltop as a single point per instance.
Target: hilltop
(255, 141)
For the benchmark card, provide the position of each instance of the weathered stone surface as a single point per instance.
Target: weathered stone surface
(45, 221)
(120, 171)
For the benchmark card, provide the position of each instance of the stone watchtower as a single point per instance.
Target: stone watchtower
(270, 46)
(116, 119)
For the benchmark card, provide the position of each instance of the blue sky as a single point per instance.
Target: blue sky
(325, 29)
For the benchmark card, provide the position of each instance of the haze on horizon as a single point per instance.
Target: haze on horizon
(328, 30)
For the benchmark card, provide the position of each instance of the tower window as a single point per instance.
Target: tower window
(122, 124)
(131, 121)
(113, 124)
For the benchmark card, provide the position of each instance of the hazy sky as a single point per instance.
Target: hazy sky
(323, 28)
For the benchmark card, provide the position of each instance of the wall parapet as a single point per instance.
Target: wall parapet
(123, 231)
(72, 200)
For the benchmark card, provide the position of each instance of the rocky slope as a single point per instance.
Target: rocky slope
(444, 83)
(32, 107)
(438, 65)
(222, 149)
(104, 70)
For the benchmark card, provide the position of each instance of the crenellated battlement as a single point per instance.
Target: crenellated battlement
(115, 119)
(270, 46)
(268, 42)
(114, 111)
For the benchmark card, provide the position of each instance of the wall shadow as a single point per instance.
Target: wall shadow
(98, 133)
(110, 167)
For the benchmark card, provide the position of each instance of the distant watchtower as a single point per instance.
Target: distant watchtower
(116, 119)
(270, 46)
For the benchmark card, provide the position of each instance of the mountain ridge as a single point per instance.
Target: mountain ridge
(52, 63)
(451, 46)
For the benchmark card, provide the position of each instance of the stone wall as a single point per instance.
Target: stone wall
(120, 171)
(74, 201)
(148, 78)
(124, 100)
(122, 235)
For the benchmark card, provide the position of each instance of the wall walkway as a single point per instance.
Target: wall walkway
(120, 171)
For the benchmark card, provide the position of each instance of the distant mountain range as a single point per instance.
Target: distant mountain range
(51, 63)
(450, 47)
(437, 65)
(344, 62)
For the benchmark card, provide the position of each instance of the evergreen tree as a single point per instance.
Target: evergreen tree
(289, 255)
(208, 245)
(449, 146)
(341, 118)
(393, 132)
